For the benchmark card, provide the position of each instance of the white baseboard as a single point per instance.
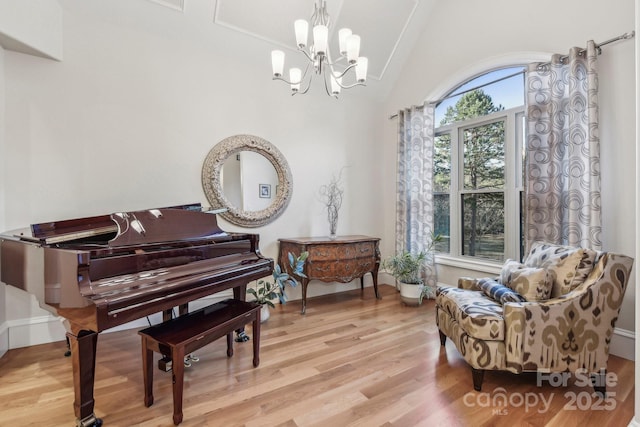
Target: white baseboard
(4, 338)
(35, 330)
(634, 422)
(623, 343)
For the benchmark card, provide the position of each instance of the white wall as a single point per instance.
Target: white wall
(464, 38)
(143, 93)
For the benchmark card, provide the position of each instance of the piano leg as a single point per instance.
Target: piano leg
(83, 357)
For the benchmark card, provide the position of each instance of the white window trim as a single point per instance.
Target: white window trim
(469, 263)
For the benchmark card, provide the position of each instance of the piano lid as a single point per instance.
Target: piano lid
(163, 225)
(112, 225)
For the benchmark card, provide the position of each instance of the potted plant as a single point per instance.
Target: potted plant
(407, 268)
(265, 291)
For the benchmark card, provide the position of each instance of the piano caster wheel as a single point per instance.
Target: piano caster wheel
(190, 358)
(242, 337)
(90, 421)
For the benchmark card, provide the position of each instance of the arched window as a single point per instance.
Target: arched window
(478, 158)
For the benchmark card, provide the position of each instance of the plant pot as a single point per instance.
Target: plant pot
(410, 293)
(265, 313)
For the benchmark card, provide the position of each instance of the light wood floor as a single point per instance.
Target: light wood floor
(351, 360)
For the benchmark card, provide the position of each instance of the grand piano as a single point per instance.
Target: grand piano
(104, 271)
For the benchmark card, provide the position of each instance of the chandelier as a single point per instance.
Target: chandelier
(319, 57)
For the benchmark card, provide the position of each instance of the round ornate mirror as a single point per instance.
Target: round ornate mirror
(249, 177)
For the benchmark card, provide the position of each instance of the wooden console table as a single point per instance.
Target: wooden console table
(333, 260)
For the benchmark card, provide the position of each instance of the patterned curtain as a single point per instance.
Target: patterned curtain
(414, 204)
(562, 164)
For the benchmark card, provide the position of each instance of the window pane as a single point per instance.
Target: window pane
(441, 221)
(483, 225)
(484, 156)
(504, 87)
(442, 163)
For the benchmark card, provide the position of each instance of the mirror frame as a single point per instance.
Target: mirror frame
(212, 184)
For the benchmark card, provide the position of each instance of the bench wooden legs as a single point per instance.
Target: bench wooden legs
(177, 355)
(147, 372)
(230, 344)
(256, 340)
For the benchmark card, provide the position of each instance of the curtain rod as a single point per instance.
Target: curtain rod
(625, 36)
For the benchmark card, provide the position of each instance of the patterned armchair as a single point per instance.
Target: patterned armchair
(553, 313)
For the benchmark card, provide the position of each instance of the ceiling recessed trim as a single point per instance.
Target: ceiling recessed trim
(171, 4)
(227, 24)
(398, 40)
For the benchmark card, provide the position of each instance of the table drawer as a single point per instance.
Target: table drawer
(342, 251)
(339, 270)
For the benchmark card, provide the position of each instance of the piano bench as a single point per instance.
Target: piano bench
(188, 333)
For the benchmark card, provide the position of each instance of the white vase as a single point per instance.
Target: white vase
(410, 293)
(265, 313)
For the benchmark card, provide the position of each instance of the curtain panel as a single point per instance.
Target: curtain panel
(562, 154)
(414, 184)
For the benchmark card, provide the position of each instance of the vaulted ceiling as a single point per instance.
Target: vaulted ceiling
(388, 28)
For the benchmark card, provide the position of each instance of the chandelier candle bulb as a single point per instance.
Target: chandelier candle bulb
(302, 32)
(336, 82)
(320, 37)
(361, 69)
(343, 35)
(353, 48)
(277, 62)
(295, 75)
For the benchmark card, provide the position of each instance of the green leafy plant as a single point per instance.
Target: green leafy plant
(266, 291)
(407, 267)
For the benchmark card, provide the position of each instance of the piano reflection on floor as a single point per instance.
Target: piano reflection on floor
(104, 271)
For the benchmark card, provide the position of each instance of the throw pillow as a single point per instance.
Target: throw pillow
(588, 261)
(498, 292)
(534, 284)
(564, 269)
(569, 265)
(541, 252)
(508, 267)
